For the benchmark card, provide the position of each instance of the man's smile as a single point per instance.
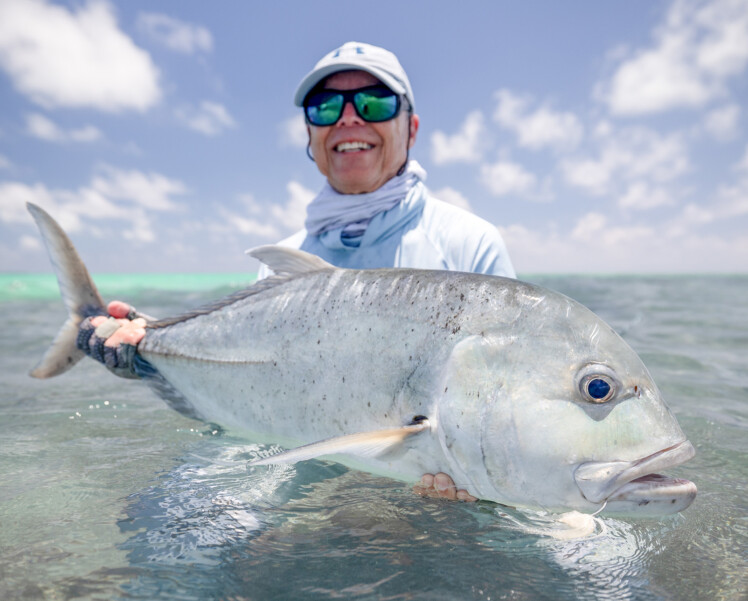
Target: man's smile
(352, 146)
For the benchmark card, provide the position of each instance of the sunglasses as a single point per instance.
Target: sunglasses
(373, 104)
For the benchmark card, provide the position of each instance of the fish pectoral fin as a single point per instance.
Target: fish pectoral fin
(362, 444)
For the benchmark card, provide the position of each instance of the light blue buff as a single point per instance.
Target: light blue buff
(420, 232)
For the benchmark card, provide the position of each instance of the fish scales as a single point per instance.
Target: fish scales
(325, 353)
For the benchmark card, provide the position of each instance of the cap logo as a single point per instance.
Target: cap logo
(358, 49)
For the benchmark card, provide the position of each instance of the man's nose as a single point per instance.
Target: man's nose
(349, 116)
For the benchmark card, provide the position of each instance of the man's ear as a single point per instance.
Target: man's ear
(412, 134)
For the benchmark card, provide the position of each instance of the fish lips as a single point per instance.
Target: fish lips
(599, 481)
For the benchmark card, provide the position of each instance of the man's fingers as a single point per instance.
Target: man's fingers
(441, 486)
(445, 486)
(463, 495)
(131, 332)
(118, 309)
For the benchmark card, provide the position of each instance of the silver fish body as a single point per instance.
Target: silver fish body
(524, 396)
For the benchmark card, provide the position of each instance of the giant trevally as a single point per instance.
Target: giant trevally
(521, 394)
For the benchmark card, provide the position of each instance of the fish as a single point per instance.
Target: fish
(523, 395)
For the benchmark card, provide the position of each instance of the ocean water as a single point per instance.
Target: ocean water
(105, 493)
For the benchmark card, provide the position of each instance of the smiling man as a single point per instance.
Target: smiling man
(374, 210)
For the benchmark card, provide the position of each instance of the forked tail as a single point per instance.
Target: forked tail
(78, 293)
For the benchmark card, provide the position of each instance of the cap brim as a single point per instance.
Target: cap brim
(314, 77)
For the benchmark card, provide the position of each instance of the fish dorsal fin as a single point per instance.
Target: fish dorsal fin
(288, 261)
(362, 444)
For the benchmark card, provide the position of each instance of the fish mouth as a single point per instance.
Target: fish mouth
(635, 483)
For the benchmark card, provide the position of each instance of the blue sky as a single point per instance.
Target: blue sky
(598, 137)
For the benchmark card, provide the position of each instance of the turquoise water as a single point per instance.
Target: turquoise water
(108, 494)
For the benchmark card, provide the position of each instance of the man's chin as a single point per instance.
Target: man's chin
(354, 180)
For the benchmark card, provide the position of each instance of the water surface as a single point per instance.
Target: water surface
(108, 494)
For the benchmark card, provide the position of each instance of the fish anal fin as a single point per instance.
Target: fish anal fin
(361, 444)
(288, 261)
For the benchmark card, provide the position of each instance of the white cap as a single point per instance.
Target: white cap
(381, 63)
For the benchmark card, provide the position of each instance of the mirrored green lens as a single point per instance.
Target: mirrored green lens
(373, 104)
(324, 108)
(376, 105)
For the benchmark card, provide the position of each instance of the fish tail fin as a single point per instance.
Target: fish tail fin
(78, 292)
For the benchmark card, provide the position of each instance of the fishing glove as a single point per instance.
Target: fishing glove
(119, 360)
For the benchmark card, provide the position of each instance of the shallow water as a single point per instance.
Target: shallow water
(108, 494)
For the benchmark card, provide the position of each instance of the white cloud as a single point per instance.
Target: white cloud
(593, 175)
(44, 128)
(74, 58)
(293, 132)
(15, 195)
(506, 177)
(29, 243)
(271, 221)
(292, 214)
(247, 225)
(643, 196)
(150, 190)
(453, 197)
(125, 197)
(694, 53)
(596, 228)
(539, 128)
(210, 118)
(466, 146)
(256, 224)
(628, 155)
(733, 199)
(597, 245)
(722, 123)
(742, 164)
(175, 34)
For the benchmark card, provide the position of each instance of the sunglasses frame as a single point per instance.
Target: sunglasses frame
(349, 96)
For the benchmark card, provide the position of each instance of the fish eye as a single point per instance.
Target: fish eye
(597, 385)
(598, 389)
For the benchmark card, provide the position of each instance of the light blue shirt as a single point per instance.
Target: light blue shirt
(420, 232)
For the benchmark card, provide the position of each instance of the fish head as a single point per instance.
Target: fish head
(553, 409)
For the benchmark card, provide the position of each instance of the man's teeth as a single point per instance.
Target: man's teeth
(349, 146)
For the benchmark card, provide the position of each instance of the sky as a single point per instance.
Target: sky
(599, 137)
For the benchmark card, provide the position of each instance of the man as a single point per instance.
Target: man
(374, 211)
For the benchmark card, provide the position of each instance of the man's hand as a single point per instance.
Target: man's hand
(441, 486)
(112, 340)
(129, 332)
